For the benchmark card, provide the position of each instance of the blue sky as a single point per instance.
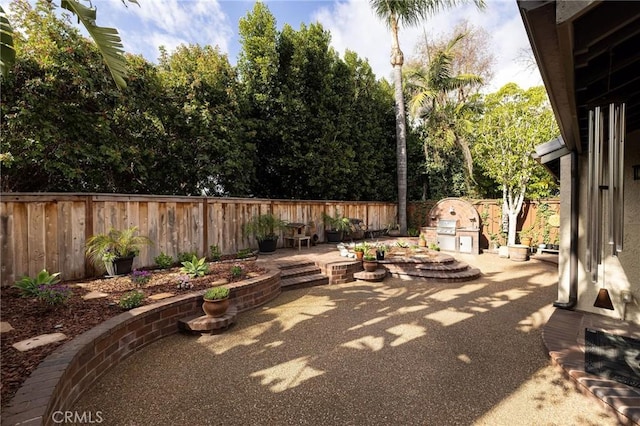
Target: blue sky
(351, 23)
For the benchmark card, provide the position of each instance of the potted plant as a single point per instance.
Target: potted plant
(494, 241)
(393, 229)
(380, 251)
(369, 262)
(337, 226)
(115, 250)
(216, 301)
(360, 249)
(263, 228)
(526, 236)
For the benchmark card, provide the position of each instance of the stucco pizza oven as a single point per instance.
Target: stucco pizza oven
(454, 225)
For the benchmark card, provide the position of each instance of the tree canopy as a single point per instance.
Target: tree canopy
(514, 122)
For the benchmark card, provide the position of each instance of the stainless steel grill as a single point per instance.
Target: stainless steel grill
(446, 227)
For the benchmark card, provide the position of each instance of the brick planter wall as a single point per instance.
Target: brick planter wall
(72, 368)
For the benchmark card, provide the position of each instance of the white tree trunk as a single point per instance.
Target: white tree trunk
(513, 205)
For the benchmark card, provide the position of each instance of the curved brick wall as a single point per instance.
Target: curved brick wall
(65, 374)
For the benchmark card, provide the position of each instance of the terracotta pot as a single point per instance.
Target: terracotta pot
(359, 255)
(370, 265)
(216, 307)
(422, 243)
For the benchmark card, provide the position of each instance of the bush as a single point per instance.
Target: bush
(164, 261)
(236, 271)
(131, 300)
(54, 294)
(195, 267)
(186, 256)
(29, 287)
(214, 252)
(216, 293)
(244, 253)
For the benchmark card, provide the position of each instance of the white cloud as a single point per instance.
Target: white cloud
(167, 22)
(354, 26)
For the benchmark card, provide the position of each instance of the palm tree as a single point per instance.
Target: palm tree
(395, 13)
(107, 40)
(439, 101)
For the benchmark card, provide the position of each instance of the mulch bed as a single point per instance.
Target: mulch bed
(30, 317)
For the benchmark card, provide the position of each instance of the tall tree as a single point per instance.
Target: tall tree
(258, 72)
(439, 102)
(396, 13)
(514, 122)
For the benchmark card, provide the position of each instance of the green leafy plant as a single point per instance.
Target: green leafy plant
(382, 247)
(163, 261)
(236, 271)
(434, 246)
(214, 252)
(54, 294)
(413, 232)
(195, 267)
(244, 253)
(336, 222)
(29, 287)
(114, 244)
(402, 244)
(186, 256)
(369, 257)
(363, 247)
(131, 300)
(264, 227)
(216, 293)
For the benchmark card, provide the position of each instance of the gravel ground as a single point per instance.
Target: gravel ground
(391, 353)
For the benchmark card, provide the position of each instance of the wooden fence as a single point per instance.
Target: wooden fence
(49, 230)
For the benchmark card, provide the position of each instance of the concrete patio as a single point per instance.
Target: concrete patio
(393, 352)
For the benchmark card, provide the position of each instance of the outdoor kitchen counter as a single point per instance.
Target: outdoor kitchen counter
(462, 245)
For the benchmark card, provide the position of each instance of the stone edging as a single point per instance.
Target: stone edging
(58, 381)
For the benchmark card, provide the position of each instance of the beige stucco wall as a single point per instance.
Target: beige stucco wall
(622, 272)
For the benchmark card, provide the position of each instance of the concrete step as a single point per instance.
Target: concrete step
(303, 281)
(299, 271)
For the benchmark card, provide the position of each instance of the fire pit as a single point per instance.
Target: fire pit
(454, 226)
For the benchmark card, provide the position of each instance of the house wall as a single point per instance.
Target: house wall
(620, 273)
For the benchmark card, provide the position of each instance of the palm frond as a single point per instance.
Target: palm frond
(7, 51)
(107, 39)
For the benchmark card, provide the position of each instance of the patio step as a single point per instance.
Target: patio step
(439, 276)
(303, 281)
(298, 271)
(448, 267)
(284, 265)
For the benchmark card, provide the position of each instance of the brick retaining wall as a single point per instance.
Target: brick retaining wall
(63, 376)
